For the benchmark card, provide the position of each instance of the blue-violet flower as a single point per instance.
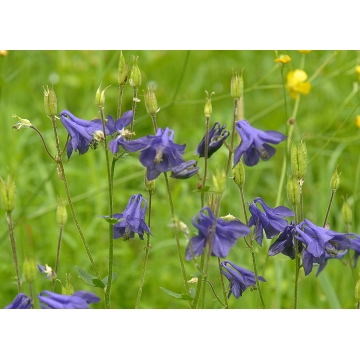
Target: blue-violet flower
(21, 301)
(78, 300)
(133, 219)
(254, 143)
(240, 278)
(271, 220)
(161, 153)
(83, 133)
(216, 137)
(185, 170)
(225, 237)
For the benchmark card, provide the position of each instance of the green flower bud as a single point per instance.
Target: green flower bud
(68, 289)
(123, 70)
(239, 174)
(357, 291)
(100, 97)
(237, 85)
(30, 270)
(21, 123)
(219, 181)
(150, 102)
(208, 106)
(135, 74)
(50, 102)
(149, 185)
(293, 191)
(335, 180)
(61, 213)
(346, 213)
(302, 159)
(7, 193)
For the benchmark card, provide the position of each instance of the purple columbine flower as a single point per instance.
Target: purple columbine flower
(47, 271)
(271, 220)
(161, 153)
(319, 241)
(254, 143)
(21, 301)
(240, 278)
(78, 300)
(285, 243)
(118, 127)
(133, 219)
(225, 237)
(185, 170)
(83, 133)
(217, 136)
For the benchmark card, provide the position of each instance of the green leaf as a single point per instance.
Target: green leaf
(175, 295)
(88, 278)
(105, 279)
(111, 220)
(98, 283)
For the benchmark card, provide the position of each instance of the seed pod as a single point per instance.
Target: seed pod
(302, 159)
(293, 191)
(346, 213)
(135, 74)
(294, 160)
(237, 85)
(335, 180)
(239, 174)
(7, 194)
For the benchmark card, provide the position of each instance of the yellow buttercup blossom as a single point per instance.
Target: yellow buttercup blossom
(3, 52)
(357, 69)
(304, 51)
(357, 121)
(283, 59)
(296, 83)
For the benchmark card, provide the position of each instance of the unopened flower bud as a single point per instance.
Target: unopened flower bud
(149, 185)
(100, 97)
(237, 85)
(346, 213)
(135, 74)
(61, 213)
(239, 174)
(7, 193)
(208, 106)
(219, 181)
(150, 102)
(123, 70)
(50, 102)
(293, 191)
(335, 180)
(29, 270)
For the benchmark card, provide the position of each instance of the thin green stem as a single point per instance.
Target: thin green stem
(231, 151)
(57, 256)
(135, 101)
(43, 141)
(111, 240)
(297, 262)
(147, 250)
(121, 92)
(13, 248)
(62, 176)
(226, 305)
(329, 206)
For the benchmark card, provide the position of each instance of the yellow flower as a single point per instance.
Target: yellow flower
(3, 52)
(296, 83)
(284, 59)
(357, 69)
(304, 51)
(357, 121)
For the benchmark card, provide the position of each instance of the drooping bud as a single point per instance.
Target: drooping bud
(239, 174)
(135, 74)
(61, 213)
(346, 213)
(208, 106)
(100, 97)
(237, 85)
(21, 123)
(123, 70)
(293, 190)
(219, 181)
(29, 270)
(7, 193)
(335, 180)
(50, 102)
(150, 102)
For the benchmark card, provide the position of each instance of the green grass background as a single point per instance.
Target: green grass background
(179, 79)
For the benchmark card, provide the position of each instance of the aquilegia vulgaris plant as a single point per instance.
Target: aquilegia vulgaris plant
(251, 206)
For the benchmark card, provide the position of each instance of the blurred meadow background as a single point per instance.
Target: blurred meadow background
(326, 117)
